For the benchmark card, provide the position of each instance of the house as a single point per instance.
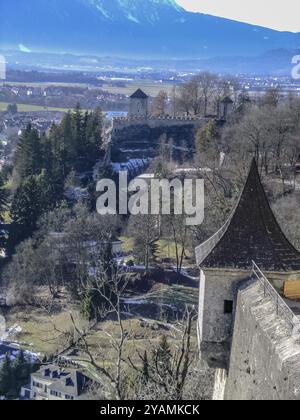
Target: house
(52, 382)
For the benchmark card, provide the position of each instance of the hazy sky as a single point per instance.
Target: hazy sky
(277, 14)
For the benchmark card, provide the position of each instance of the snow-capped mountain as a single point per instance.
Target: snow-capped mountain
(135, 28)
(137, 11)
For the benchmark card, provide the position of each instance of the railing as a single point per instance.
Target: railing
(282, 309)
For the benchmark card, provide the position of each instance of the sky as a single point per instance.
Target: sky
(282, 15)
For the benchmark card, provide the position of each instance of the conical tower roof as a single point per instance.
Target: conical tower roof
(252, 233)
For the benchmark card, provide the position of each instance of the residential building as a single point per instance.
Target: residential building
(54, 383)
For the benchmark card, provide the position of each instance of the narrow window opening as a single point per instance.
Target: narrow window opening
(228, 306)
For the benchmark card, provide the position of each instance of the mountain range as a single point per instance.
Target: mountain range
(131, 28)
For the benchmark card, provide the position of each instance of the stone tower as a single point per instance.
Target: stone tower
(138, 105)
(226, 259)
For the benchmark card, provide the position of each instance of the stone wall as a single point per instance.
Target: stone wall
(138, 106)
(139, 141)
(215, 326)
(265, 357)
(154, 122)
(138, 138)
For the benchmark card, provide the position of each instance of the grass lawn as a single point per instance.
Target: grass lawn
(43, 333)
(40, 331)
(149, 87)
(141, 337)
(166, 248)
(179, 296)
(32, 108)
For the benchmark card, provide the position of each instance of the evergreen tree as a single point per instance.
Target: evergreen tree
(21, 368)
(29, 153)
(6, 374)
(43, 164)
(12, 109)
(78, 132)
(94, 134)
(3, 199)
(27, 205)
(3, 208)
(145, 368)
(55, 154)
(163, 355)
(68, 146)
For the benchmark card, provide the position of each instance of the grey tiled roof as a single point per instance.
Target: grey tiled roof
(251, 233)
(67, 381)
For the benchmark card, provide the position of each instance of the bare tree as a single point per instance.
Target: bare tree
(145, 231)
(165, 373)
(206, 85)
(159, 106)
(109, 285)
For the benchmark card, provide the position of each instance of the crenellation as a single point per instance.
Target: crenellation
(142, 128)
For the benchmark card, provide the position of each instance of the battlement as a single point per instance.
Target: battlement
(160, 117)
(120, 123)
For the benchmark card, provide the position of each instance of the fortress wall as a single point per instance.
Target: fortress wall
(265, 358)
(137, 141)
(120, 123)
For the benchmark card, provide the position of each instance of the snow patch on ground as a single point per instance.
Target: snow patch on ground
(133, 301)
(132, 166)
(12, 331)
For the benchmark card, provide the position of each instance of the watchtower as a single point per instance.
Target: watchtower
(138, 104)
(250, 234)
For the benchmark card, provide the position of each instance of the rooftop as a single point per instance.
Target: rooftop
(251, 233)
(139, 94)
(68, 381)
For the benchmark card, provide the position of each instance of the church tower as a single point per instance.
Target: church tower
(251, 234)
(138, 107)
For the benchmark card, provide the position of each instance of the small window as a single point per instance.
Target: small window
(228, 306)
